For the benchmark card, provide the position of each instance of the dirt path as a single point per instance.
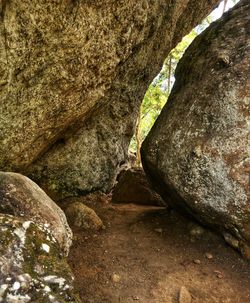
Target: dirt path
(154, 254)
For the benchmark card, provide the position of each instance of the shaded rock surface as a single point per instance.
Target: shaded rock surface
(82, 216)
(133, 187)
(72, 76)
(32, 268)
(21, 197)
(197, 152)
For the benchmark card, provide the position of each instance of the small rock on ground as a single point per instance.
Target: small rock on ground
(197, 231)
(231, 240)
(209, 256)
(184, 295)
(81, 215)
(115, 278)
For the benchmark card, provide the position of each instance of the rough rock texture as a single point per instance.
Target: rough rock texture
(32, 268)
(133, 187)
(197, 152)
(82, 216)
(72, 76)
(19, 196)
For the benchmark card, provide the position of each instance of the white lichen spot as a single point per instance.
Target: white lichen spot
(20, 232)
(16, 286)
(55, 280)
(66, 287)
(50, 278)
(26, 224)
(18, 298)
(3, 288)
(46, 247)
(47, 289)
(10, 298)
(24, 278)
(52, 298)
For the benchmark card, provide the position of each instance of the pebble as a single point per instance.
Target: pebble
(231, 240)
(184, 295)
(197, 261)
(197, 231)
(219, 274)
(135, 298)
(75, 238)
(209, 256)
(115, 278)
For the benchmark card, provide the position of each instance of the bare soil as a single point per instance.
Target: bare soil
(153, 252)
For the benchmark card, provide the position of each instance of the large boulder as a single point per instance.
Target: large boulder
(197, 152)
(133, 187)
(32, 268)
(21, 197)
(72, 76)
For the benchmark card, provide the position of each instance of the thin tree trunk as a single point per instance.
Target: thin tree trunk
(169, 73)
(138, 139)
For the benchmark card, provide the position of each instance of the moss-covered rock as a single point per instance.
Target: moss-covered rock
(19, 196)
(82, 216)
(32, 267)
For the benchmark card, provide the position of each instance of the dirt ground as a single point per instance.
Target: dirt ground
(153, 253)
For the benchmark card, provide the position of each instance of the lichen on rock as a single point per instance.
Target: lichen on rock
(19, 196)
(32, 267)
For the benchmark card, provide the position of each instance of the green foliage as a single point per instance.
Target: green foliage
(158, 91)
(153, 102)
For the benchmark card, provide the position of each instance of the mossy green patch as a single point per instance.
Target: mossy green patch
(33, 251)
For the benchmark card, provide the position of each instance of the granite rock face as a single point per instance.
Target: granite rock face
(197, 153)
(21, 197)
(32, 268)
(72, 76)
